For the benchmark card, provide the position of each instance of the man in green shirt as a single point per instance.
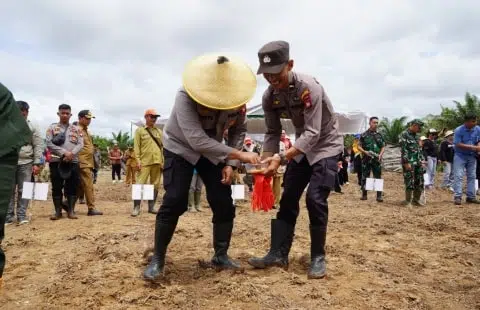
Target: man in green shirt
(15, 133)
(413, 163)
(372, 146)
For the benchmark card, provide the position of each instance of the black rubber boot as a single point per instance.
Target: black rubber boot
(417, 198)
(136, 208)
(318, 268)
(72, 200)
(222, 234)
(151, 203)
(280, 243)
(364, 195)
(58, 203)
(379, 196)
(163, 235)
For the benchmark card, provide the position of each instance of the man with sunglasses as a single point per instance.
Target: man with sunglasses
(148, 147)
(312, 159)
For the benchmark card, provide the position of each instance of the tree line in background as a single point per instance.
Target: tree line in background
(105, 144)
(448, 119)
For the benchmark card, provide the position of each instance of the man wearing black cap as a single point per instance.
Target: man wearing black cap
(312, 159)
(86, 163)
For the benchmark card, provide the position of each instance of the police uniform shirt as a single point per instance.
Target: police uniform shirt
(193, 130)
(73, 141)
(308, 106)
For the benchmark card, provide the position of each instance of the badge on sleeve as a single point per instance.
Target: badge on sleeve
(306, 99)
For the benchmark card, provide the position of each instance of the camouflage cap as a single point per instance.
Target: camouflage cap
(416, 121)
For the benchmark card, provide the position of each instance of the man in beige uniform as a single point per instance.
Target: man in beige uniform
(131, 165)
(193, 138)
(86, 163)
(312, 159)
(148, 147)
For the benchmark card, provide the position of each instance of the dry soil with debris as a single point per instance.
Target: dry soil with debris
(380, 256)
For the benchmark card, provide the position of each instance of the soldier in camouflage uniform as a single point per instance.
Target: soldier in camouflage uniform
(412, 162)
(372, 146)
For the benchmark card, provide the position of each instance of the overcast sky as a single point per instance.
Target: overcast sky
(117, 57)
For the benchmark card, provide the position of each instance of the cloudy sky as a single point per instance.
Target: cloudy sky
(117, 57)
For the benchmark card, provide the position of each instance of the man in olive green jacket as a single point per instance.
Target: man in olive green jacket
(15, 133)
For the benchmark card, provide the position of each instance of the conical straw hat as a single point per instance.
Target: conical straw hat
(219, 82)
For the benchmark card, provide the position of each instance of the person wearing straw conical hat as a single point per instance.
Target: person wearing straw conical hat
(312, 159)
(213, 99)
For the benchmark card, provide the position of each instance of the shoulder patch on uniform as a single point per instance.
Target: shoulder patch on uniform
(306, 98)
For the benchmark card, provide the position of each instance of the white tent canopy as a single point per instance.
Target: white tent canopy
(349, 123)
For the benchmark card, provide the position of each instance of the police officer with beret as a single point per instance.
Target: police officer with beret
(212, 100)
(311, 160)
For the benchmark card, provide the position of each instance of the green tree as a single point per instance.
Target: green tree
(348, 140)
(391, 129)
(122, 138)
(451, 118)
(103, 144)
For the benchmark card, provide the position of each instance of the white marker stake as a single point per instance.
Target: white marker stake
(142, 192)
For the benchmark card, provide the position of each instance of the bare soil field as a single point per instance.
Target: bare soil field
(379, 256)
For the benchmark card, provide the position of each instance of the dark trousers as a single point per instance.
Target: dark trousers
(8, 166)
(373, 166)
(478, 168)
(116, 169)
(357, 166)
(343, 173)
(177, 176)
(69, 186)
(321, 177)
(95, 175)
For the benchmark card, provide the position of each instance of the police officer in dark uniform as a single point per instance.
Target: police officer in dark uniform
(212, 100)
(311, 160)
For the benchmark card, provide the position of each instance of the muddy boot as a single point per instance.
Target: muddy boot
(196, 199)
(191, 201)
(136, 208)
(408, 198)
(57, 202)
(318, 267)
(93, 212)
(364, 195)
(417, 194)
(222, 233)
(163, 234)
(379, 197)
(280, 243)
(72, 200)
(151, 203)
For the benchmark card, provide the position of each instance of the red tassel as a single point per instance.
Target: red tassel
(262, 197)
